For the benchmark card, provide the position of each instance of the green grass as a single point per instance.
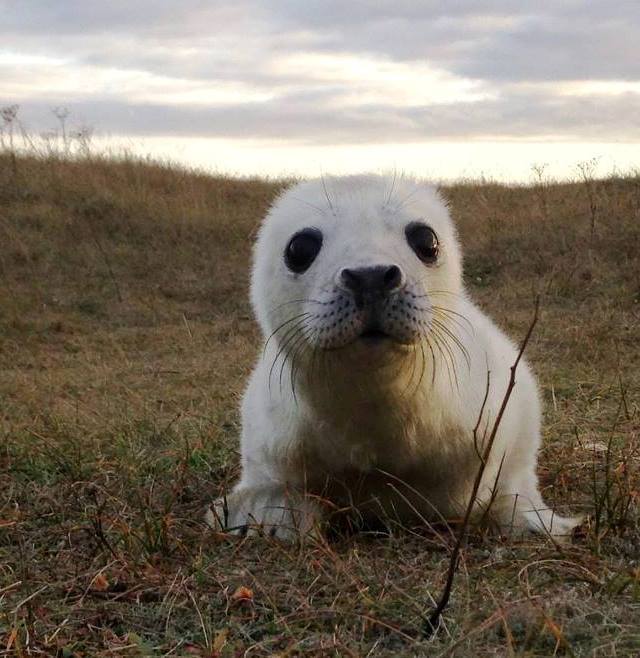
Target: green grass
(125, 341)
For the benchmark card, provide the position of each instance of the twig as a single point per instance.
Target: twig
(200, 617)
(96, 523)
(31, 596)
(186, 324)
(433, 620)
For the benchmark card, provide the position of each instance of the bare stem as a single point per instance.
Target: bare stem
(433, 620)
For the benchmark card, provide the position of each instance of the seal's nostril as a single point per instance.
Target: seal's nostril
(392, 277)
(351, 279)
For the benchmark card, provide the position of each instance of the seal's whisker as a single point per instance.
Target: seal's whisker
(416, 388)
(286, 352)
(407, 386)
(291, 338)
(319, 210)
(413, 366)
(403, 202)
(438, 347)
(448, 319)
(436, 293)
(296, 301)
(326, 194)
(300, 350)
(441, 341)
(300, 339)
(389, 196)
(282, 326)
(303, 319)
(288, 336)
(424, 366)
(433, 362)
(457, 314)
(419, 346)
(456, 341)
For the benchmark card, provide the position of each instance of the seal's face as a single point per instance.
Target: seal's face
(357, 264)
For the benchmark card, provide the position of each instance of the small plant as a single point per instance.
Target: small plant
(541, 188)
(9, 115)
(587, 171)
(615, 477)
(62, 114)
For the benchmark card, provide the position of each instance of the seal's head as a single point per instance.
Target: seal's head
(355, 262)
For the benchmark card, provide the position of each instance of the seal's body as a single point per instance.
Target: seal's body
(379, 381)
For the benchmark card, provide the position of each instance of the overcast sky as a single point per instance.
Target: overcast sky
(295, 77)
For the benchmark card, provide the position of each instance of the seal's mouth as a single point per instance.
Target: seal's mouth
(372, 332)
(374, 336)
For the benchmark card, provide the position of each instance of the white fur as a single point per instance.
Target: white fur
(378, 427)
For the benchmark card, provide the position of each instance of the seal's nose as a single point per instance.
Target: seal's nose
(379, 279)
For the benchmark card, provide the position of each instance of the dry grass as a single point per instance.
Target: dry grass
(125, 339)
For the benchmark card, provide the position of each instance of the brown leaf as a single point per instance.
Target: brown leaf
(11, 638)
(100, 583)
(242, 595)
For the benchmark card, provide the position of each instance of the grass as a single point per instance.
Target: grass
(125, 342)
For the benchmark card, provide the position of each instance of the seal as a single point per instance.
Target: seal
(379, 377)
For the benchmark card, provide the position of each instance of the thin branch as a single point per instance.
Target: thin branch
(433, 620)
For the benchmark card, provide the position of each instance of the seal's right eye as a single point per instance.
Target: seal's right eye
(302, 249)
(423, 240)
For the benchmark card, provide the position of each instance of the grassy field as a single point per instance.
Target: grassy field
(125, 341)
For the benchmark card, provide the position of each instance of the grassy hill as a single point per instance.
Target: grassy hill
(125, 341)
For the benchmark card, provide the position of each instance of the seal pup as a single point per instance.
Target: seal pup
(378, 376)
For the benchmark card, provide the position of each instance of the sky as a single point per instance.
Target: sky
(303, 87)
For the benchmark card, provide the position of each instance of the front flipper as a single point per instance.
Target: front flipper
(266, 510)
(519, 513)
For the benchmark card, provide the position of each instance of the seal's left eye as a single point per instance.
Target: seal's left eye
(302, 249)
(423, 240)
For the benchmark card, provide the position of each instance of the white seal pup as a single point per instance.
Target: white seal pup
(374, 371)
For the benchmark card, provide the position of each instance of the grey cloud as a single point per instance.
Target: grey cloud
(573, 48)
(545, 41)
(307, 119)
(79, 17)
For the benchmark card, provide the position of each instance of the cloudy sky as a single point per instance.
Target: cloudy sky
(302, 86)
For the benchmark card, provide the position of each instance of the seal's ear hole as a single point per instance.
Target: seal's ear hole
(302, 249)
(423, 240)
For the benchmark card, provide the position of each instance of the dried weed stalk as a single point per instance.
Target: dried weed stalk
(432, 622)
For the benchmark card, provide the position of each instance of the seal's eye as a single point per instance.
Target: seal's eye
(303, 249)
(423, 241)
